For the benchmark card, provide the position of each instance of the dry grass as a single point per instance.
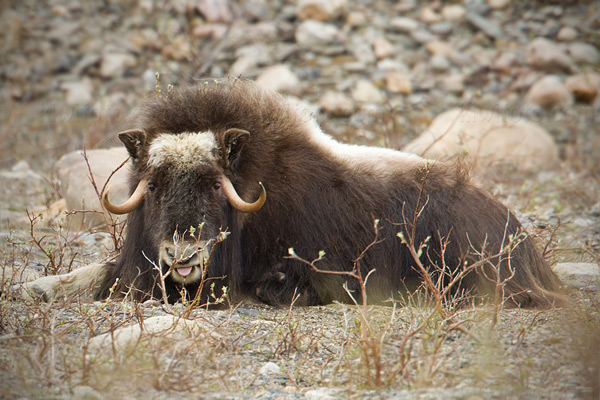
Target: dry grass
(46, 347)
(478, 352)
(424, 342)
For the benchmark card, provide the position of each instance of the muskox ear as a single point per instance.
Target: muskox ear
(133, 140)
(233, 142)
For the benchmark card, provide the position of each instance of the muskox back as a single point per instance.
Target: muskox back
(322, 196)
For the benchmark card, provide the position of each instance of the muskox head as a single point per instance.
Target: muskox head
(183, 194)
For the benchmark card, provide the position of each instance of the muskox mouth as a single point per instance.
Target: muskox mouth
(183, 261)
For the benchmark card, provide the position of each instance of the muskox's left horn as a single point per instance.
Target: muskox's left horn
(236, 201)
(131, 204)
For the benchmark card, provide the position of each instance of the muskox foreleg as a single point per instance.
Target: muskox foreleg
(85, 282)
(278, 288)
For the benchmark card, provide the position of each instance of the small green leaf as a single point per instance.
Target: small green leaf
(401, 236)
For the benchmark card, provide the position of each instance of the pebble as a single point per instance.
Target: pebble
(249, 57)
(498, 4)
(392, 65)
(86, 393)
(355, 19)
(21, 171)
(149, 79)
(439, 63)
(64, 32)
(214, 11)
(336, 104)
(114, 65)
(583, 53)
(179, 49)
(383, 48)
(454, 83)
(440, 48)
(280, 78)
(453, 12)
(362, 51)
(484, 57)
(442, 28)
(548, 92)
(504, 62)
(405, 6)
(213, 31)
(422, 36)
(567, 34)
(78, 93)
(270, 368)
(461, 59)
(398, 82)
(429, 16)
(260, 52)
(487, 26)
(324, 394)
(248, 312)
(584, 87)
(97, 239)
(321, 10)
(86, 62)
(544, 54)
(404, 24)
(366, 92)
(314, 35)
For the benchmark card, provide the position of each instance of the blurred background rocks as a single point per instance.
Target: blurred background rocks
(373, 72)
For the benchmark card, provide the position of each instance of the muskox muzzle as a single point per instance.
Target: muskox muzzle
(140, 192)
(184, 261)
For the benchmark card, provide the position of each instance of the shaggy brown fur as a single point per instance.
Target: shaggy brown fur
(322, 196)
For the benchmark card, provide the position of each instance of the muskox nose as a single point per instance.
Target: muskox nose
(184, 260)
(180, 254)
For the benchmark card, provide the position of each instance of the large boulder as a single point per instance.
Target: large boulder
(77, 188)
(487, 140)
(584, 276)
(157, 327)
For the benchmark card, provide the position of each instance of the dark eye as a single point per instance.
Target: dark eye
(151, 187)
(217, 185)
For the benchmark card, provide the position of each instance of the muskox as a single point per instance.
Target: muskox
(228, 177)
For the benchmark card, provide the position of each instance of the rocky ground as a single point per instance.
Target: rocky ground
(374, 72)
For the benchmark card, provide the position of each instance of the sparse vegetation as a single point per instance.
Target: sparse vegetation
(429, 343)
(427, 340)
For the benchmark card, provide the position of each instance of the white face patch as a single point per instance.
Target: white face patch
(183, 150)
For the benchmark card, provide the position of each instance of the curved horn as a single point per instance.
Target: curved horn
(131, 204)
(236, 201)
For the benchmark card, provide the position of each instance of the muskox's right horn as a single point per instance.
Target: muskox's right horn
(131, 204)
(236, 201)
